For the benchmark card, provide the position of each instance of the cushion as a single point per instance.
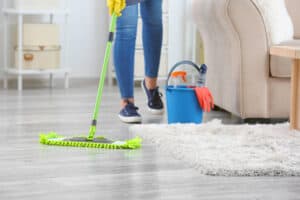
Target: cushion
(279, 26)
(293, 8)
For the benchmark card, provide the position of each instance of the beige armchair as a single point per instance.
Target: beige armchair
(237, 35)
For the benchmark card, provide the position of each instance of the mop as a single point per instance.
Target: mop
(91, 141)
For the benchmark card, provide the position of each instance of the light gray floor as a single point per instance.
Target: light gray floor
(29, 170)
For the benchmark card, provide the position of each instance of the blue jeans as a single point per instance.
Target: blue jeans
(124, 47)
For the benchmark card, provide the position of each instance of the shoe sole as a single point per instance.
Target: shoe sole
(130, 119)
(151, 110)
(156, 111)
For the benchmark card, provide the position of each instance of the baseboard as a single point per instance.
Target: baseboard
(42, 82)
(32, 82)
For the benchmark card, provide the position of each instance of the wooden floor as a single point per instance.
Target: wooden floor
(29, 170)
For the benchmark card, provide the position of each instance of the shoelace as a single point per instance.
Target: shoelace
(131, 106)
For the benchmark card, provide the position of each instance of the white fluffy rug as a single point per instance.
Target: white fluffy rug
(229, 150)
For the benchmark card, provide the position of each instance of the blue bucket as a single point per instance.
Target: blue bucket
(182, 103)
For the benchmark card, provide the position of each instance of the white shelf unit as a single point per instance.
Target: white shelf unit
(139, 51)
(8, 70)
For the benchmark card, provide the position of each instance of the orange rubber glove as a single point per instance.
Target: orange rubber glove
(116, 6)
(205, 98)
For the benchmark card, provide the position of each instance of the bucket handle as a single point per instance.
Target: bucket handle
(184, 62)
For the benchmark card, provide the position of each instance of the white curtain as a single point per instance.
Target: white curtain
(182, 32)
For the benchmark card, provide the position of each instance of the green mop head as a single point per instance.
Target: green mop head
(91, 141)
(98, 142)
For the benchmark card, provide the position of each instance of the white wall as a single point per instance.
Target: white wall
(88, 24)
(88, 36)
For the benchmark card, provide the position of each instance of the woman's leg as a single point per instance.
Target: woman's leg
(124, 49)
(151, 12)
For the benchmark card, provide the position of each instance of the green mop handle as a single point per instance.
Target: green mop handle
(112, 27)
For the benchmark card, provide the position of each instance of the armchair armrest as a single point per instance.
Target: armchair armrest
(236, 54)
